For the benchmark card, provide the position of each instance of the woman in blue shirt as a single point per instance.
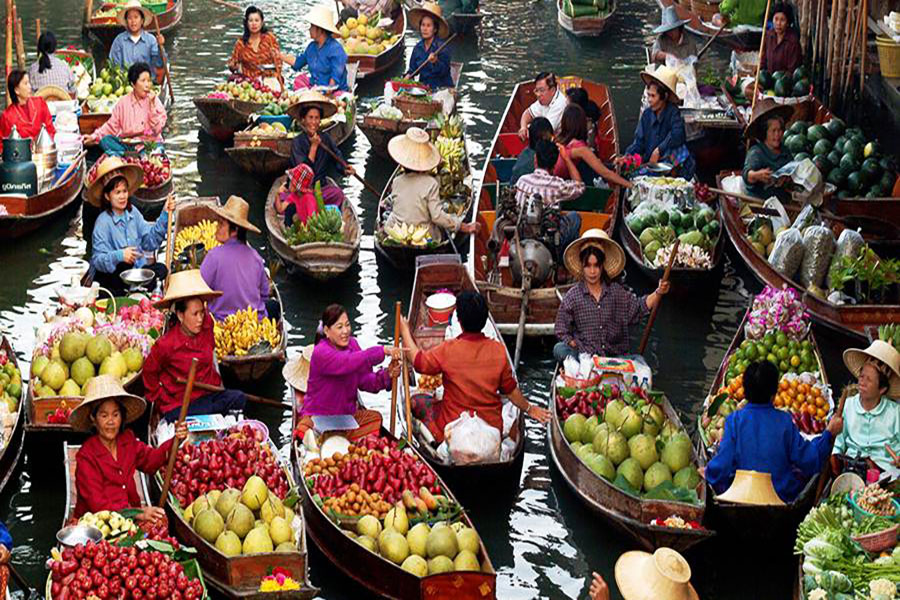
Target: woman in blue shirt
(122, 239)
(324, 56)
(659, 136)
(760, 437)
(434, 30)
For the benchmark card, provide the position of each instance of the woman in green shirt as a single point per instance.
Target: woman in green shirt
(767, 155)
(871, 417)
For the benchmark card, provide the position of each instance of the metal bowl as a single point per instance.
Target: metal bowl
(137, 277)
(78, 534)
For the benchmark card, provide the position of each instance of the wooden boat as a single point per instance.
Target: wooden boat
(629, 514)
(221, 118)
(321, 260)
(19, 216)
(12, 448)
(380, 577)
(848, 318)
(583, 26)
(251, 367)
(495, 281)
(678, 274)
(446, 272)
(106, 29)
(737, 40)
(374, 64)
(380, 131)
(465, 23)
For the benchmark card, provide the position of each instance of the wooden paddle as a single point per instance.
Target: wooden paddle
(170, 249)
(762, 47)
(757, 203)
(165, 62)
(397, 316)
(838, 412)
(408, 400)
(344, 164)
(646, 337)
(188, 390)
(711, 40)
(206, 387)
(438, 51)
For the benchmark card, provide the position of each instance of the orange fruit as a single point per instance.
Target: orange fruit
(821, 414)
(801, 398)
(811, 409)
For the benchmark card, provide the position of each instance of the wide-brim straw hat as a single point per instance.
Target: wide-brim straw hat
(664, 76)
(183, 285)
(414, 151)
(237, 211)
(323, 18)
(884, 353)
(53, 92)
(99, 389)
(432, 10)
(670, 20)
(110, 168)
(752, 487)
(296, 370)
(663, 575)
(312, 98)
(765, 109)
(613, 255)
(134, 5)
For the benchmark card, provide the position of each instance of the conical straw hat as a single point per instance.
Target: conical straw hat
(315, 98)
(666, 77)
(413, 150)
(296, 370)
(663, 575)
(186, 284)
(764, 109)
(100, 388)
(134, 5)
(752, 487)
(430, 9)
(323, 18)
(236, 210)
(110, 168)
(614, 257)
(884, 353)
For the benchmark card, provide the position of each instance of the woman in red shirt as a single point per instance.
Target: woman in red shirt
(107, 461)
(26, 112)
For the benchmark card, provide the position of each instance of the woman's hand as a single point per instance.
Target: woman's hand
(129, 255)
(181, 431)
(523, 134)
(395, 369)
(654, 158)
(151, 513)
(599, 590)
(170, 203)
(4, 555)
(314, 139)
(288, 59)
(432, 58)
(662, 288)
(470, 227)
(537, 413)
(835, 426)
(350, 170)
(760, 176)
(702, 472)
(393, 353)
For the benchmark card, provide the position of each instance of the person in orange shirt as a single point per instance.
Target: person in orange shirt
(475, 370)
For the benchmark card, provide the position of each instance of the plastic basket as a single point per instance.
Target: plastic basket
(283, 119)
(861, 513)
(157, 8)
(888, 57)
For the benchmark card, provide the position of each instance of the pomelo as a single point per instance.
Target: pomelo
(655, 475)
(643, 448)
(630, 469)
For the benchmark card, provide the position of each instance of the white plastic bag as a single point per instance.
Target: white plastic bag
(471, 440)
(507, 449)
(510, 414)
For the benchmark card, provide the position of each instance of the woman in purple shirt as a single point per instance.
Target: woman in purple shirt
(235, 268)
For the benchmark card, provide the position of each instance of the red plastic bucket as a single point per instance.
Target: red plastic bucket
(440, 307)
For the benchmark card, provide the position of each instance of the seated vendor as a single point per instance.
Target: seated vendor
(872, 415)
(595, 314)
(138, 115)
(107, 461)
(672, 39)
(760, 437)
(316, 148)
(475, 370)
(324, 56)
(122, 239)
(782, 45)
(296, 198)
(427, 20)
(25, 111)
(256, 53)
(539, 129)
(416, 192)
(768, 154)
(135, 44)
(189, 335)
(573, 134)
(550, 103)
(49, 69)
(235, 268)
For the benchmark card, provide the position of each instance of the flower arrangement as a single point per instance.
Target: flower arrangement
(279, 581)
(777, 310)
(631, 164)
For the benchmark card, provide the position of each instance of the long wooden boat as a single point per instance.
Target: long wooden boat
(19, 215)
(221, 118)
(105, 30)
(583, 26)
(737, 40)
(630, 514)
(321, 260)
(380, 577)
(374, 64)
(848, 318)
(380, 131)
(12, 447)
(446, 272)
(597, 208)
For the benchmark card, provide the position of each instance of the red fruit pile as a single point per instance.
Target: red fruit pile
(158, 529)
(702, 193)
(229, 462)
(157, 168)
(587, 402)
(60, 416)
(107, 571)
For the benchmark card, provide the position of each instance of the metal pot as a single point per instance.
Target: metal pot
(74, 535)
(137, 279)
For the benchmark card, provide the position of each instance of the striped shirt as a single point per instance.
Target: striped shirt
(550, 188)
(599, 326)
(59, 74)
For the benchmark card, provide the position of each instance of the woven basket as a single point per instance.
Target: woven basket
(580, 384)
(888, 57)
(878, 541)
(705, 10)
(414, 109)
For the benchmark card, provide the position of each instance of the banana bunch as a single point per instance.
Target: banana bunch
(405, 234)
(203, 232)
(451, 127)
(890, 333)
(241, 331)
(452, 171)
(110, 523)
(323, 226)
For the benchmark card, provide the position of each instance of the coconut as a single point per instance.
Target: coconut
(38, 364)
(368, 525)
(441, 541)
(82, 370)
(677, 452)
(397, 520)
(258, 541)
(602, 466)
(280, 530)
(656, 475)
(613, 413)
(590, 427)
(631, 422)
(416, 565)
(209, 524)
(254, 493)
(369, 543)
(439, 564)
(53, 375)
(228, 543)
(417, 537)
(687, 478)
(616, 447)
(240, 520)
(227, 500)
(98, 348)
(70, 388)
(630, 469)
(393, 546)
(573, 428)
(134, 360)
(72, 346)
(467, 539)
(643, 448)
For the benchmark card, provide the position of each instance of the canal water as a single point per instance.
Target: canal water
(544, 543)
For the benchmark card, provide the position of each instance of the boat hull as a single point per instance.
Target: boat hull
(27, 214)
(583, 26)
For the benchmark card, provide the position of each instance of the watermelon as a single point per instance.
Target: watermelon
(779, 74)
(837, 178)
(873, 193)
(822, 146)
(801, 156)
(711, 229)
(840, 143)
(849, 163)
(854, 131)
(876, 190)
(853, 149)
(855, 182)
(843, 195)
(662, 218)
(871, 169)
(796, 144)
(836, 127)
(801, 88)
(816, 133)
(887, 182)
(834, 157)
(783, 87)
(765, 80)
(798, 127)
(823, 164)
(801, 73)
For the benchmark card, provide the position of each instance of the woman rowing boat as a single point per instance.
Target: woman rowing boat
(433, 28)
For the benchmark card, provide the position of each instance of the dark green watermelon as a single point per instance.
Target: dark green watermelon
(872, 194)
(801, 156)
(844, 194)
(836, 127)
(796, 143)
(765, 80)
(854, 182)
(801, 73)
(887, 182)
(823, 164)
(854, 131)
(840, 143)
(877, 191)
(801, 88)
(834, 157)
(849, 163)
(779, 74)
(816, 133)
(837, 178)
(853, 149)
(822, 147)
(783, 87)
(872, 169)
(798, 127)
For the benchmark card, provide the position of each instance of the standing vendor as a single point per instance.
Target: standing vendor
(433, 28)
(135, 44)
(475, 370)
(189, 335)
(256, 53)
(782, 45)
(324, 56)
(768, 153)
(550, 103)
(672, 40)
(595, 314)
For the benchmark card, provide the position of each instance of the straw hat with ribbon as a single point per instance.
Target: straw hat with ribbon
(53, 92)
(414, 151)
(670, 20)
(614, 257)
(765, 109)
(663, 575)
(134, 5)
(323, 18)
(430, 9)
(752, 487)
(183, 285)
(109, 169)
(98, 389)
(883, 353)
(236, 210)
(664, 76)
(296, 370)
(312, 98)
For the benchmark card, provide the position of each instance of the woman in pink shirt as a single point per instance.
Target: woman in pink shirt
(573, 133)
(139, 114)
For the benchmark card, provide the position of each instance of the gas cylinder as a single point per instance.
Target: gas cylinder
(18, 175)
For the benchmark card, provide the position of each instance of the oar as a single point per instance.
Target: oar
(188, 390)
(162, 54)
(408, 400)
(344, 164)
(72, 166)
(838, 412)
(438, 51)
(397, 309)
(646, 337)
(206, 387)
(170, 250)
(711, 40)
(523, 310)
(756, 202)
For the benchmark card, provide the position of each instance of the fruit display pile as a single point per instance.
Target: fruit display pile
(110, 85)
(890, 333)
(227, 463)
(110, 523)
(248, 90)
(10, 395)
(361, 35)
(157, 168)
(243, 332)
(250, 520)
(808, 401)
(453, 170)
(325, 225)
(785, 84)
(203, 232)
(143, 316)
(588, 402)
(105, 570)
(846, 159)
(267, 130)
